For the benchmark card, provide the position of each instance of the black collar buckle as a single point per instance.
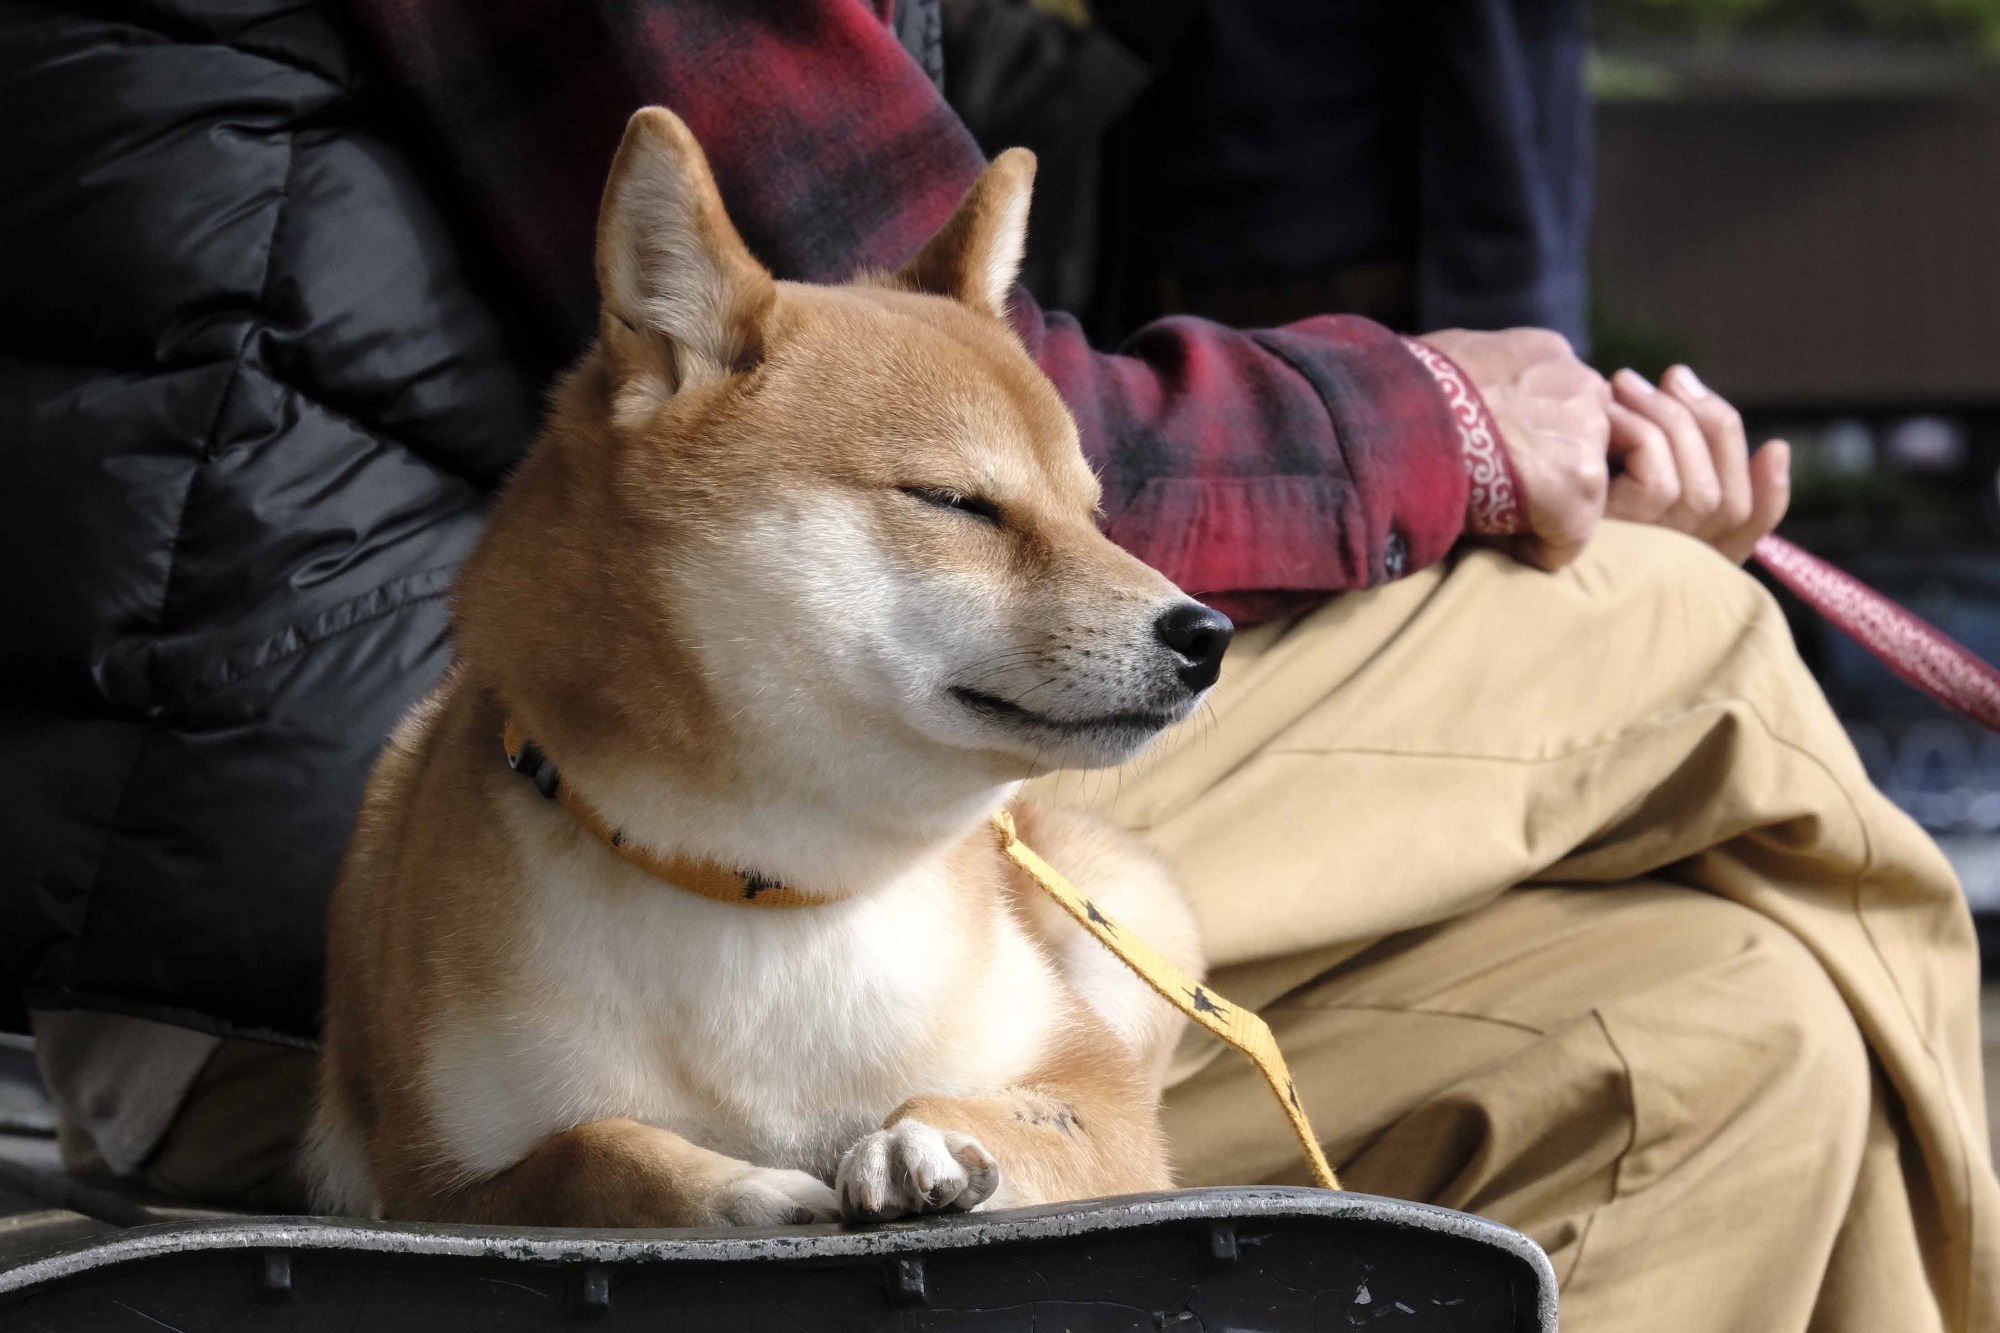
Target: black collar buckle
(535, 766)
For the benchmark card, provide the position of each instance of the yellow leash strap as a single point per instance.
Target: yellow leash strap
(1238, 1027)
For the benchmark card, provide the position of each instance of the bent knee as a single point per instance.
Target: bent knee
(1646, 587)
(1749, 1051)
(1661, 549)
(1648, 558)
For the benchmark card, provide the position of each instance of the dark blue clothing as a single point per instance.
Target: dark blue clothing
(1445, 140)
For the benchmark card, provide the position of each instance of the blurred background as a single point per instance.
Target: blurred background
(1799, 197)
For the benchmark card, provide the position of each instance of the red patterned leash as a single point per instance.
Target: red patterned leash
(1908, 645)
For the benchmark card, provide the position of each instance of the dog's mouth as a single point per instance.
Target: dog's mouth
(1130, 721)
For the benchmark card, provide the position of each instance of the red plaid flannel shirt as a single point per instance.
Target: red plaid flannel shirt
(1260, 470)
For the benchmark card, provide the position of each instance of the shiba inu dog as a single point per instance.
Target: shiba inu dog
(797, 587)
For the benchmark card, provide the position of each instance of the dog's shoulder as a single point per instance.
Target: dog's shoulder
(1128, 882)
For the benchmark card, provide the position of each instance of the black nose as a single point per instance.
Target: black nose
(1199, 636)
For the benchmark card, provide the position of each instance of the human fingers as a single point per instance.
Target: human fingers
(1722, 427)
(1648, 483)
(1701, 490)
(1770, 495)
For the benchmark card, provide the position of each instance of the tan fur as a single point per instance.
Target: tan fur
(710, 598)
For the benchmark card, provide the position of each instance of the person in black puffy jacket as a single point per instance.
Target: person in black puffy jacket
(253, 397)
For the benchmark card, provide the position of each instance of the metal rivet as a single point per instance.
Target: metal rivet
(274, 1275)
(909, 1282)
(596, 1291)
(1222, 1249)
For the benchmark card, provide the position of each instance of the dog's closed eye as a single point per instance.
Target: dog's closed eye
(943, 497)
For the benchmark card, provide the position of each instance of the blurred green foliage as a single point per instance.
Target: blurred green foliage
(1975, 21)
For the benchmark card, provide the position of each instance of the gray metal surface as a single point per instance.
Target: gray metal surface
(584, 1249)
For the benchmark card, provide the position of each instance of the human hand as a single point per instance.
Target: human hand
(1686, 464)
(1550, 409)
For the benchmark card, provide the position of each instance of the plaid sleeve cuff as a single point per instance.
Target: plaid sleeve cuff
(1494, 509)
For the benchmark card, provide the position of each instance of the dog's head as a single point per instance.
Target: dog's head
(856, 515)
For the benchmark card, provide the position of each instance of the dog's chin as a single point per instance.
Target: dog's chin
(1051, 740)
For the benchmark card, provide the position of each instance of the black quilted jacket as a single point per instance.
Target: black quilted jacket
(256, 381)
(253, 390)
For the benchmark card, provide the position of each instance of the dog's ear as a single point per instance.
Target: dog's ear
(669, 261)
(975, 257)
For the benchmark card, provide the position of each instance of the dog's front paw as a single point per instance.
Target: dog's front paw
(762, 1196)
(912, 1167)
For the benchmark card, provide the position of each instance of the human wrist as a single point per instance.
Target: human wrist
(1494, 502)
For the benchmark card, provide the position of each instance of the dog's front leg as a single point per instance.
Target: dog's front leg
(620, 1173)
(1046, 1142)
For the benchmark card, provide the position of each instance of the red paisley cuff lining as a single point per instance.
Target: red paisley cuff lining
(1495, 507)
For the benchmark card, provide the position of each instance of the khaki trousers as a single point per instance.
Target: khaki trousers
(1571, 905)
(1719, 1056)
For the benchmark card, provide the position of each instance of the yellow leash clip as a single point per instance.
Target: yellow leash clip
(1238, 1027)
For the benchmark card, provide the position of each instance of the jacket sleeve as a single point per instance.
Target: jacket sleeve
(1304, 460)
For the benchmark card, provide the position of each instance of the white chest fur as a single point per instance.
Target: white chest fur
(775, 1036)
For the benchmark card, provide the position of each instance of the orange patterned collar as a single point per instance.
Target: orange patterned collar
(708, 878)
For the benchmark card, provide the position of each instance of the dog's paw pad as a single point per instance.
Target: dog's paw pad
(913, 1167)
(768, 1197)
